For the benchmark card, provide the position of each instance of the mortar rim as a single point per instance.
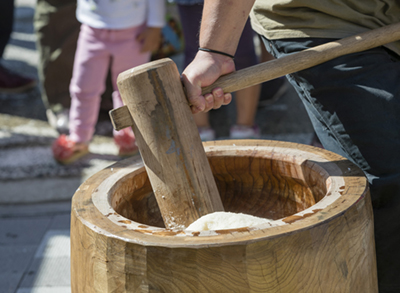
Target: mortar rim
(176, 238)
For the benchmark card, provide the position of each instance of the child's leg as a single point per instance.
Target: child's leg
(126, 54)
(88, 82)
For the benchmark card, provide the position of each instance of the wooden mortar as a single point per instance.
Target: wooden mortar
(157, 110)
(321, 239)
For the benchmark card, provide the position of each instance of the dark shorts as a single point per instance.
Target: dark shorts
(190, 16)
(354, 105)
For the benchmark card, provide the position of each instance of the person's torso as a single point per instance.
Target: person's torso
(112, 14)
(277, 19)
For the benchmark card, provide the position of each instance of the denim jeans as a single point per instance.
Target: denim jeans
(353, 102)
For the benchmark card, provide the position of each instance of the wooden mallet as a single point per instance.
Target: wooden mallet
(157, 109)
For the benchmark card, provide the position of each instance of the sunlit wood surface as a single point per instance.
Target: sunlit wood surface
(321, 239)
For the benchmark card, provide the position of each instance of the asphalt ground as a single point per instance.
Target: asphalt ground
(36, 192)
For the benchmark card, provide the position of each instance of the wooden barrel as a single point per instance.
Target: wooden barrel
(321, 239)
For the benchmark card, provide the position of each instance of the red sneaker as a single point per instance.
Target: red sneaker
(126, 142)
(66, 151)
(11, 82)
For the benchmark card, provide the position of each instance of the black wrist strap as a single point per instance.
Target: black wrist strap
(217, 52)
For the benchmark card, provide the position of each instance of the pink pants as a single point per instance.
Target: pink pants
(97, 51)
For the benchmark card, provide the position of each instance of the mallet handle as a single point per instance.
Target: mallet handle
(305, 59)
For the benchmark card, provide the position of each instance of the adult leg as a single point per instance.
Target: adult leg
(57, 31)
(272, 90)
(246, 99)
(190, 16)
(354, 103)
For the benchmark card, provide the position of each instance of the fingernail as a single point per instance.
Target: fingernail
(219, 92)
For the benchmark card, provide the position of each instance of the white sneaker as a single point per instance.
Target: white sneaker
(244, 132)
(59, 121)
(206, 133)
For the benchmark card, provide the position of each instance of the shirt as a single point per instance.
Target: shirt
(278, 19)
(121, 14)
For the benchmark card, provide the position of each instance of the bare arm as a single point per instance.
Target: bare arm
(221, 28)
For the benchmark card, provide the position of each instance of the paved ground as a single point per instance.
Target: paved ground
(35, 191)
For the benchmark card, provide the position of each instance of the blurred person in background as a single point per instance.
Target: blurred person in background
(113, 34)
(57, 31)
(247, 100)
(10, 82)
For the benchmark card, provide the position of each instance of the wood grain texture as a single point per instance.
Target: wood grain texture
(121, 118)
(167, 136)
(321, 239)
(169, 143)
(295, 62)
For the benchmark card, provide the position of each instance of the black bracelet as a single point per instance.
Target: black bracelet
(217, 52)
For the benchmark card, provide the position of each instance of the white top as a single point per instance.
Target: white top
(121, 14)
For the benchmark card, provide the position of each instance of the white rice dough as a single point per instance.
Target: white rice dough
(225, 220)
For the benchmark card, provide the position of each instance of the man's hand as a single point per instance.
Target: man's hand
(221, 27)
(203, 71)
(150, 39)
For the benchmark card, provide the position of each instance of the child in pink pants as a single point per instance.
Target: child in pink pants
(106, 40)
